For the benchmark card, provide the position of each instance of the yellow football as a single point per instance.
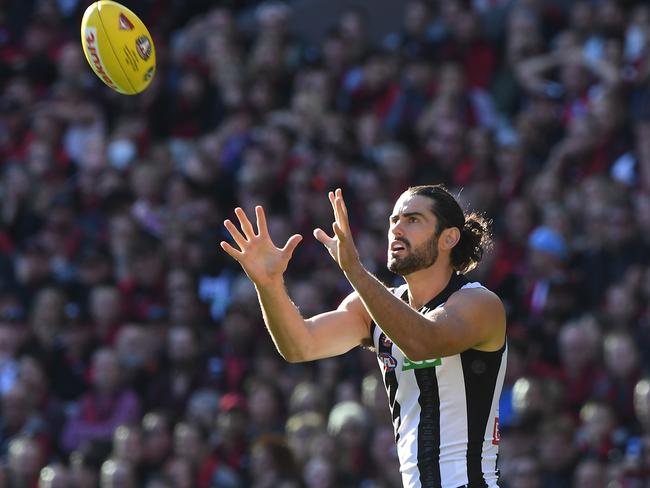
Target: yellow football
(118, 47)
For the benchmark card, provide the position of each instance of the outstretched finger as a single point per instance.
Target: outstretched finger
(291, 244)
(231, 251)
(234, 232)
(342, 212)
(338, 231)
(323, 238)
(332, 198)
(246, 225)
(262, 228)
(339, 193)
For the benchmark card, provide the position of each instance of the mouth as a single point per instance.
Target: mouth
(397, 247)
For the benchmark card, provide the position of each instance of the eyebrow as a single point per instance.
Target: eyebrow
(408, 214)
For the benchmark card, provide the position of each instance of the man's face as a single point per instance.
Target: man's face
(412, 237)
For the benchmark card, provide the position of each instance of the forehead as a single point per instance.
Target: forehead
(408, 203)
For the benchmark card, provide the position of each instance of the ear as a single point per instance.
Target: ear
(449, 238)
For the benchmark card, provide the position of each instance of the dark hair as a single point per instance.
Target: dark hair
(475, 236)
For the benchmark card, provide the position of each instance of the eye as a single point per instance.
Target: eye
(413, 220)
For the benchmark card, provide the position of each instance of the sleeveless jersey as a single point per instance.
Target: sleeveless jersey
(445, 410)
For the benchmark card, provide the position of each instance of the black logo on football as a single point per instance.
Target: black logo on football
(143, 46)
(148, 74)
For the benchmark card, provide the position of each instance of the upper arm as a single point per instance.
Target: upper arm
(471, 318)
(336, 332)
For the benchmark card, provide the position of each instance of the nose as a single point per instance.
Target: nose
(396, 229)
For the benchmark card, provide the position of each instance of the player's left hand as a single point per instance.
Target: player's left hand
(341, 246)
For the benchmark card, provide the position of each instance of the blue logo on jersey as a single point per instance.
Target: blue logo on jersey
(389, 362)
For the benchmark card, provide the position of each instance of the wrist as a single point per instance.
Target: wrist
(355, 271)
(269, 284)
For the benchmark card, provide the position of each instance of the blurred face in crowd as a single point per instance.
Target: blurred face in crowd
(54, 476)
(31, 374)
(82, 475)
(589, 474)
(127, 444)
(24, 460)
(621, 228)
(557, 451)
(157, 440)
(188, 443)
(238, 330)
(105, 305)
(528, 397)
(133, 346)
(383, 449)
(518, 221)
(319, 473)
(8, 342)
(598, 422)
(202, 408)
(106, 371)
(232, 425)
(179, 281)
(353, 26)
(47, 314)
(525, 473)
(181, 346)
(15, 407)
(642, 402)
(122, 232)
(116, 474)
(446, 142)
(577, 347)
(265, 408)
(180, 471)
(621, 355)
(416, 18)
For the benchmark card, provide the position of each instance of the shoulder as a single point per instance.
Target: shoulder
(483, 311)
(476, 297)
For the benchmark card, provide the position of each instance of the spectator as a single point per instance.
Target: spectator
(25, 462)
(54, 476)
(272, 463)
(116, 473)
(108, 405)
(157, 440)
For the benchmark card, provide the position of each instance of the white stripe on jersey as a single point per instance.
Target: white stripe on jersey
(407, 445)
(453, 429)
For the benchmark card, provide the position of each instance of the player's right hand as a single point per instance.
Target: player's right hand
(263, 261)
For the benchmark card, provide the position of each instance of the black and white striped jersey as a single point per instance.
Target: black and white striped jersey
(445, 410)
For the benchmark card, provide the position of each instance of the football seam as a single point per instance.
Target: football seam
(110, 43)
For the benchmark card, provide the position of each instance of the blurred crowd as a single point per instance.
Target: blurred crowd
(132, 350)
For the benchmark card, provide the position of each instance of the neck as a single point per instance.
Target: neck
(426, 283)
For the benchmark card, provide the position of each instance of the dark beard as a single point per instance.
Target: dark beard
(419, 258)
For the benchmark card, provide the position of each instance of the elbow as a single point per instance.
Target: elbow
(418, 355)
(423, 351)
(415, 352)
(292, 357)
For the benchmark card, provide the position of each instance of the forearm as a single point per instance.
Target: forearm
(400, 322)
(283, 320)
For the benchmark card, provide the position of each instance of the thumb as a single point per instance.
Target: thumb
(322, 237)
(291, 244)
